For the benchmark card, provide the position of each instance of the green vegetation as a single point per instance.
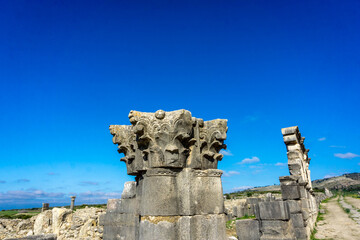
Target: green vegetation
(14, 214)
(320, 217)
(28, 213)
(89, 205)
(248, 193)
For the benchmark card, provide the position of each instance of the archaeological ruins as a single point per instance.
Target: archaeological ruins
(177, 193)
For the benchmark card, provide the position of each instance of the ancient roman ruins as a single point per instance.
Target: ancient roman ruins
(177, 193)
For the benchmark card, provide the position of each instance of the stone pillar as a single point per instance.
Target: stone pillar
(45, 206)
(72, 202)
(296, 189)
(178, 191)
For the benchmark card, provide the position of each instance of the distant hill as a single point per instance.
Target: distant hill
(349, 181)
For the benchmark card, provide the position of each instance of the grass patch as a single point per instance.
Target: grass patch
(347, 210)
(13, 214)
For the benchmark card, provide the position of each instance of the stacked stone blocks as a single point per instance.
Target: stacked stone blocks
(178, 192)
(293, 216)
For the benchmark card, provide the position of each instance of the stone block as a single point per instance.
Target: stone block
(129, 190)
(198, 227)
(209, 198)
(186, 192)
(290, 192)
(301, 233)
(112, 204)
(303, 192)
(290, 130)
(248, 229)
(297, 220)
(290, 139)
(277, 210)
(120, 226)
(235, 211)
(296, 147)
(295, 168)
(210, 227)
(160, 201)
(159, 227)
(37, 237)
(277, 229)
(294, 206)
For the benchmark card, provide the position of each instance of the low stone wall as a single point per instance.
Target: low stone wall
(60, 222)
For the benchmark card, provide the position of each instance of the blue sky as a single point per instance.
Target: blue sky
(70, 69)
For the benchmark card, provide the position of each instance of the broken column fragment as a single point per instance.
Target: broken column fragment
(178, 191)
(296, 189)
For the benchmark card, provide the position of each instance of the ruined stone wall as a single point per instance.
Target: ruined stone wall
(177, 193)
(293, 216)
(58, 223)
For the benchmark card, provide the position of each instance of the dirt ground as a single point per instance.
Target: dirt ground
(353, 201)
(336, 224)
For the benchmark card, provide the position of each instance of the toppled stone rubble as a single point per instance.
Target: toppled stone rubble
(82, 224)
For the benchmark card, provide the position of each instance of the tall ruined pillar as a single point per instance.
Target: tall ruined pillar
(297, 189)
(178, 192)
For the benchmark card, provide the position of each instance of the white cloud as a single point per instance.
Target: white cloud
(330, 175)
(249, 160)
(348, 155)
(226, 152)
(359, 163)
(335, 146)
(322, 139)
(280, 164)
(241, 188)
(10, 196)
(230, 173)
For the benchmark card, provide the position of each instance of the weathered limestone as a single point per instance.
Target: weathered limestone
(294, 216)
(37, 237)
(178, 191)
(248, 229)
(72, 202)
(297, 189)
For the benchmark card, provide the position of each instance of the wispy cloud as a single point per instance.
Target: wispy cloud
(249, 160)
(280, 164)
(51, 174)
(1, 181)
(241, 188)
(96, 197)
(335, 146)
(348, 155)
(16, 196)
(330, 175)
(230, 173)
(226, 152)
(322, 139)
(88, 183)
(23, 180)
